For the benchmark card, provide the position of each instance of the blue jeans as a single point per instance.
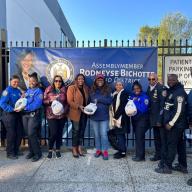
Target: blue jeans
(100, 129)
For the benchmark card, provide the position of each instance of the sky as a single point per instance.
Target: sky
(118, 19)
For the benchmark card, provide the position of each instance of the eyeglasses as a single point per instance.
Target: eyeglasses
(151, 79)
(58, 81)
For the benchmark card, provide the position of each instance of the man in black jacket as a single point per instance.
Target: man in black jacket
(175, 122)
(157, 94)
(189, 110)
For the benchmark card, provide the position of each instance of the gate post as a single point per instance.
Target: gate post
(3, 77)
(105, 42)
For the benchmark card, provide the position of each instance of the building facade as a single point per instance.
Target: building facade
(32, 20)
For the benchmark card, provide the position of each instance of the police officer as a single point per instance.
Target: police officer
(140, 120)
(156, 93)
(11, 118)
(174, 122)
(189, 109)
(31, 117)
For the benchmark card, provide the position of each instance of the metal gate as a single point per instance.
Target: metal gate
(181, 47)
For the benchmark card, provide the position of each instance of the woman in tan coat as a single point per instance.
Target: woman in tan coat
(77, 97)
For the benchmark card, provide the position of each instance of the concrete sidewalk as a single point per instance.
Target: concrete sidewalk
(87, 174)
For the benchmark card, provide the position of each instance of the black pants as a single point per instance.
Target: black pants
(163, 145)
(157, 141)
(55, 132)
(78, 130)
(14, 128)
(121, 142)
(175, 143)
(139, 128)
(31, 127)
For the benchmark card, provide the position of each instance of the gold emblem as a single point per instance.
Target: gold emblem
(61, 67)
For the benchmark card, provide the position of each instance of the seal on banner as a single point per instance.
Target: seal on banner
(61, 67)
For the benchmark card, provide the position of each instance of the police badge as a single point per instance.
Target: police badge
(61, 67)
(155, 94)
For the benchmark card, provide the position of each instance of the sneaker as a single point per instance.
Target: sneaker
(119, 155)
(180, 168)
(50, 155)
(58, 154)
(105, 155)
(98, 153)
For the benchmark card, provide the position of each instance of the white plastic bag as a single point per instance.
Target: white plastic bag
(57, 107)
(130, 108)
(20, 104)
(90, 109)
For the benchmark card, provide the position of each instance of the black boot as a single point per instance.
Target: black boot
(163, 170)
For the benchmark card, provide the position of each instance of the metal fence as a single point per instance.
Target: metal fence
(165, 48)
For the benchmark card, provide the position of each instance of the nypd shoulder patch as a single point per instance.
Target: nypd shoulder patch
(5, 93)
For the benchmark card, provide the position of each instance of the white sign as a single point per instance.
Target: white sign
(180, 65)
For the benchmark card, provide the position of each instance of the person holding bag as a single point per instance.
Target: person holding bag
(140, 120)
(101, 96)
(120, 122)
(55, 100)
(77, 97)
(31, 117)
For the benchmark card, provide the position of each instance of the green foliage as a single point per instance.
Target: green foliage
(175, 26)
(148, 33)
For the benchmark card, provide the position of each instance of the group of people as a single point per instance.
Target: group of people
(164, 109)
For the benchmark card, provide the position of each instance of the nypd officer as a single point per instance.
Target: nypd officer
(156, 93)
(31, 117)
(140, 120)
(11, 118)
(174, 122)
(189, 109)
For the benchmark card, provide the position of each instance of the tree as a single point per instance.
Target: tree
(175, 26)
(172, 26)
(148, 33)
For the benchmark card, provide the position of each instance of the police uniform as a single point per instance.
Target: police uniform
(157, 96)
(175, 116)
(31, 119)
(140, 124)
(11, 120)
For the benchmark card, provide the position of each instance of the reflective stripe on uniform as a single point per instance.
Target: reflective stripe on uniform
(179, 108)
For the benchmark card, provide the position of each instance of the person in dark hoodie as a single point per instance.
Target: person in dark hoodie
(189, 110)
(174, 122)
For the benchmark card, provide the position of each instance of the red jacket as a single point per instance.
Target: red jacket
(48, 95)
